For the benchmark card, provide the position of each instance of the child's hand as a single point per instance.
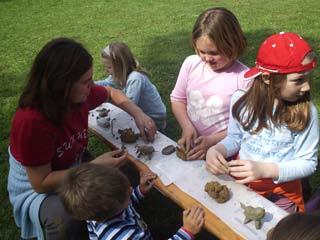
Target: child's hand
(189, 135)
(193, 219)
(112, 159)
(216, 163)
(202, 144)
(248, 170)
(146, 181)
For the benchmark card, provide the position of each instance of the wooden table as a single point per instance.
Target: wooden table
(212, 223)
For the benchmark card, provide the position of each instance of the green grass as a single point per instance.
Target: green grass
(158, 34)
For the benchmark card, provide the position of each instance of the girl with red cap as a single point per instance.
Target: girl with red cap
(273, 125)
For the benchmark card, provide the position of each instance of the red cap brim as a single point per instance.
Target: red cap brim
(252, 72)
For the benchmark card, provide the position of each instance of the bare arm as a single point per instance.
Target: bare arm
(203, 143)
(45, 180)
(217, 137)
(145, 124)
(179, 110)
(189, 133)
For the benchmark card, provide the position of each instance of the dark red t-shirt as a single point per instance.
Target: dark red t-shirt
(35, 141)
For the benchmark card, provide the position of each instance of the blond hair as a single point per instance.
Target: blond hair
(123, 62)
(94, 192)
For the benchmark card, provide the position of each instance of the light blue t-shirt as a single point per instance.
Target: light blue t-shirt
(294, 152)
(143, 93)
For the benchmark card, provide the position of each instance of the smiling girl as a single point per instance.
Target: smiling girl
(201, 97)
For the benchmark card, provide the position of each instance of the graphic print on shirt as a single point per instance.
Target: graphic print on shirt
(208, 112)
(67, 145)
(269, 144)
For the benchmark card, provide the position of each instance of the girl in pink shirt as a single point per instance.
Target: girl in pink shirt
(201, 97)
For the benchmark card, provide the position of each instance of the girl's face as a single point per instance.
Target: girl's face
(81, 89)
(209, 53)
(295, 86)
(108, 65)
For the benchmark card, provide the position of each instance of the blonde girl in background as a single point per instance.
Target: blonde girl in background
(201, 97)
(274, 125)
(126, 74)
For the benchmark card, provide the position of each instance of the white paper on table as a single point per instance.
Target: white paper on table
(231, 212)
(167, 167)
(191, 177)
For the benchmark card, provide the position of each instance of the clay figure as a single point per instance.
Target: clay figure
(144, 150)
(127, 135)
(181, 154)
(255, 214)
(103, 112)
(168, 150)
(103, 122)
(217, 191)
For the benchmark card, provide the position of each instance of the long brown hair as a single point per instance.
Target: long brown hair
(58, 65)
(257, 106)
(123, 62)
(223, 28)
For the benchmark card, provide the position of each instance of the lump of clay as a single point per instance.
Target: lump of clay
(255, 214)
(217, 191)
(127, 135)
(103, 122)
(103, 112)
(168, 150)
(181, 153)
(144, 150)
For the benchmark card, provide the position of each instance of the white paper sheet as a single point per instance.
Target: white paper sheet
(191, 177)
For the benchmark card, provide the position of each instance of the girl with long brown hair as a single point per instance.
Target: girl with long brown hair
(274, 125)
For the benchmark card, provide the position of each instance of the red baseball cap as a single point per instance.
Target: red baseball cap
(282, 53)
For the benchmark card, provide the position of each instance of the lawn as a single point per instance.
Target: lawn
(158, 33)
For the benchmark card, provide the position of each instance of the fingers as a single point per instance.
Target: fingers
(143, 133)
(182, 143)
(201, 223)
(239, 168)
(148, 176)
(196, 212)
(196, 154)
(245, 180)
(118, 152)
(223, 164)
(213, 169)
(218, 165)
(236, 163)
(196, 215)
(150, 130)
(189, 143)
(198, 140)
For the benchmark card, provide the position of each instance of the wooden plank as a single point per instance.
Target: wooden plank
(212, 223)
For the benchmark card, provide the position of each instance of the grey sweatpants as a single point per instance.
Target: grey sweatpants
(57, 223)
